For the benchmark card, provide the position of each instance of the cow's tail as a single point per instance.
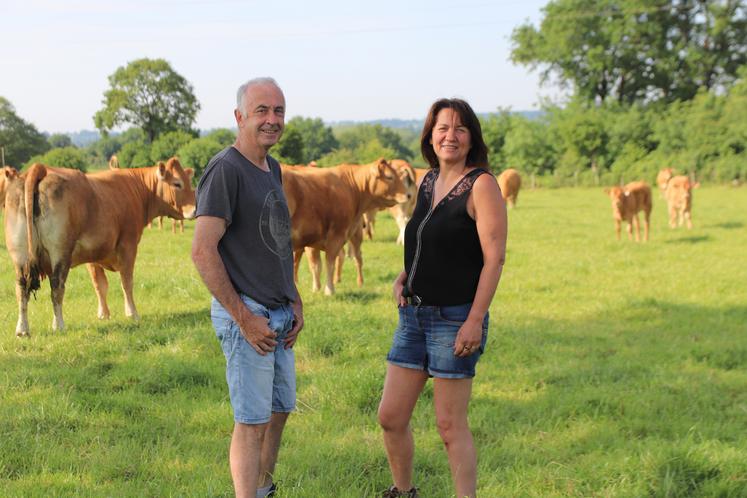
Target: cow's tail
(31, 271)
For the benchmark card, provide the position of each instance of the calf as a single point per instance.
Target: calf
(626, 203)
(58, 218)
(679, 198)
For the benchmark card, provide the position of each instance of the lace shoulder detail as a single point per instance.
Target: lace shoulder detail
(428, 181)
(465, 184)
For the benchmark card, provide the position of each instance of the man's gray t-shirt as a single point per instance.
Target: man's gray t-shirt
(256, 248)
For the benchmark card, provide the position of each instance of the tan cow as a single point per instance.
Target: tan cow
(663, 178)
(401, 212)
(626, 203)
(326, 205)
(113, 162)
(59, 218)
(680, 200)
(510, 182)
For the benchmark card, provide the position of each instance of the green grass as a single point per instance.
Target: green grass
(613, 369)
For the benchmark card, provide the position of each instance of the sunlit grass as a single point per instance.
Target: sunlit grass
(612, 369)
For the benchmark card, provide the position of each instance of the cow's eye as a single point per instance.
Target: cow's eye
(177, 185)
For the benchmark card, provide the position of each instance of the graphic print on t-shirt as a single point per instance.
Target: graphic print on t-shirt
(274, 225)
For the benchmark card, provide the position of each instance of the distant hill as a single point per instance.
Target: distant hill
(416, 124)
(83, 138)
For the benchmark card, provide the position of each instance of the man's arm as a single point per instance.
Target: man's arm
(208, 232)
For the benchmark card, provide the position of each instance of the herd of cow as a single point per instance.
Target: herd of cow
(635, 197)
(58, 218)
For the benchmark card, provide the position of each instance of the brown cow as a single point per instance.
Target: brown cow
(626, 202)
(326, 205)
(510, 182)
(113, 162)
(401, 212)
(58, 218)
(680, 200)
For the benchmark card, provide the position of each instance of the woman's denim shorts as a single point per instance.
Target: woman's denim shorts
(424, 340)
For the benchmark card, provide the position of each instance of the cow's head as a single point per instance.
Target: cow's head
(386, 184)
(617, 195)
(407, 174)
(8, 174)
(177, 188)
(679, 189)
(662, 179)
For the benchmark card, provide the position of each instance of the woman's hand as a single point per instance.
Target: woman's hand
(398, 287)
(468, 339)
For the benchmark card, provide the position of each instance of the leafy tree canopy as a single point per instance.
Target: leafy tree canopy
(317, 138)
(63, 157)
(197, 154)
(19, 139)
(636, 50)
(149, 94)
(168, 144)
(59, 140)
(223, 136)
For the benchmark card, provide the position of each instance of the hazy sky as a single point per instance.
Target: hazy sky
(336, 60)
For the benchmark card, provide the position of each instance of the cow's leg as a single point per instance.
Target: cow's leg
(646, 224)
(629, 229)
(126, 275)
(617, 229)
(173, 226)
(312, 255)
(637, 226)
(22, 296)
(331, 255)
(358, 262)
(57, 283)
(688, 219)
(339, 262)
(672, 217)
(101, 286)
(160, 222)
(181, 226)
(297, 255)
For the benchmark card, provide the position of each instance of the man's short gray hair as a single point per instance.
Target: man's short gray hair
(241, 92)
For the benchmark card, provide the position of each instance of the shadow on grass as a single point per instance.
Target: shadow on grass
(693, 239)
(728, 225)
(358, 296)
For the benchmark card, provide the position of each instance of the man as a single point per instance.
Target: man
(242, 251)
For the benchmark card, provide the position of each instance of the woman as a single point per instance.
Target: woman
(455, 246)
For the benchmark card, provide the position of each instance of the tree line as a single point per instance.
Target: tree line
(651, 84)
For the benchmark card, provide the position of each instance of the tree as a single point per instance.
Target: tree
(359, 136)
(223, 136)
(59, 140)
(318, 139)
(197, 154)
(148, 93)
(636, 50)
(63, 157)
(168, 144)
(494, 131)
(290, 149)
(20, 139)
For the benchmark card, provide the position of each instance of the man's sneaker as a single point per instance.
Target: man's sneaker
(272, 490)
(393, 492)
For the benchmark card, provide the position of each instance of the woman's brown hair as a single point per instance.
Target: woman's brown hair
(478, 152)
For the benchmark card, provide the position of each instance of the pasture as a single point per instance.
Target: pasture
(613, 369)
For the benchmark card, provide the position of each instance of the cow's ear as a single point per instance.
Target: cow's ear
(161, 171)
(381, 164)
(9, 172)
(190, 172)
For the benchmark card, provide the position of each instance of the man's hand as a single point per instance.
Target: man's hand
(256, 331)
(292, 335)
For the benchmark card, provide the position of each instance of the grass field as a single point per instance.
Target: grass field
(613, 369)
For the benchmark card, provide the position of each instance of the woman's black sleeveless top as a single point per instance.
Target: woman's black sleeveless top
(443, 257)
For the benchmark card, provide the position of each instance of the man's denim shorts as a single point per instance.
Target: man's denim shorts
(424, 340)
(258, 385)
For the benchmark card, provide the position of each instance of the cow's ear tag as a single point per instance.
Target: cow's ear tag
(627, 193)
